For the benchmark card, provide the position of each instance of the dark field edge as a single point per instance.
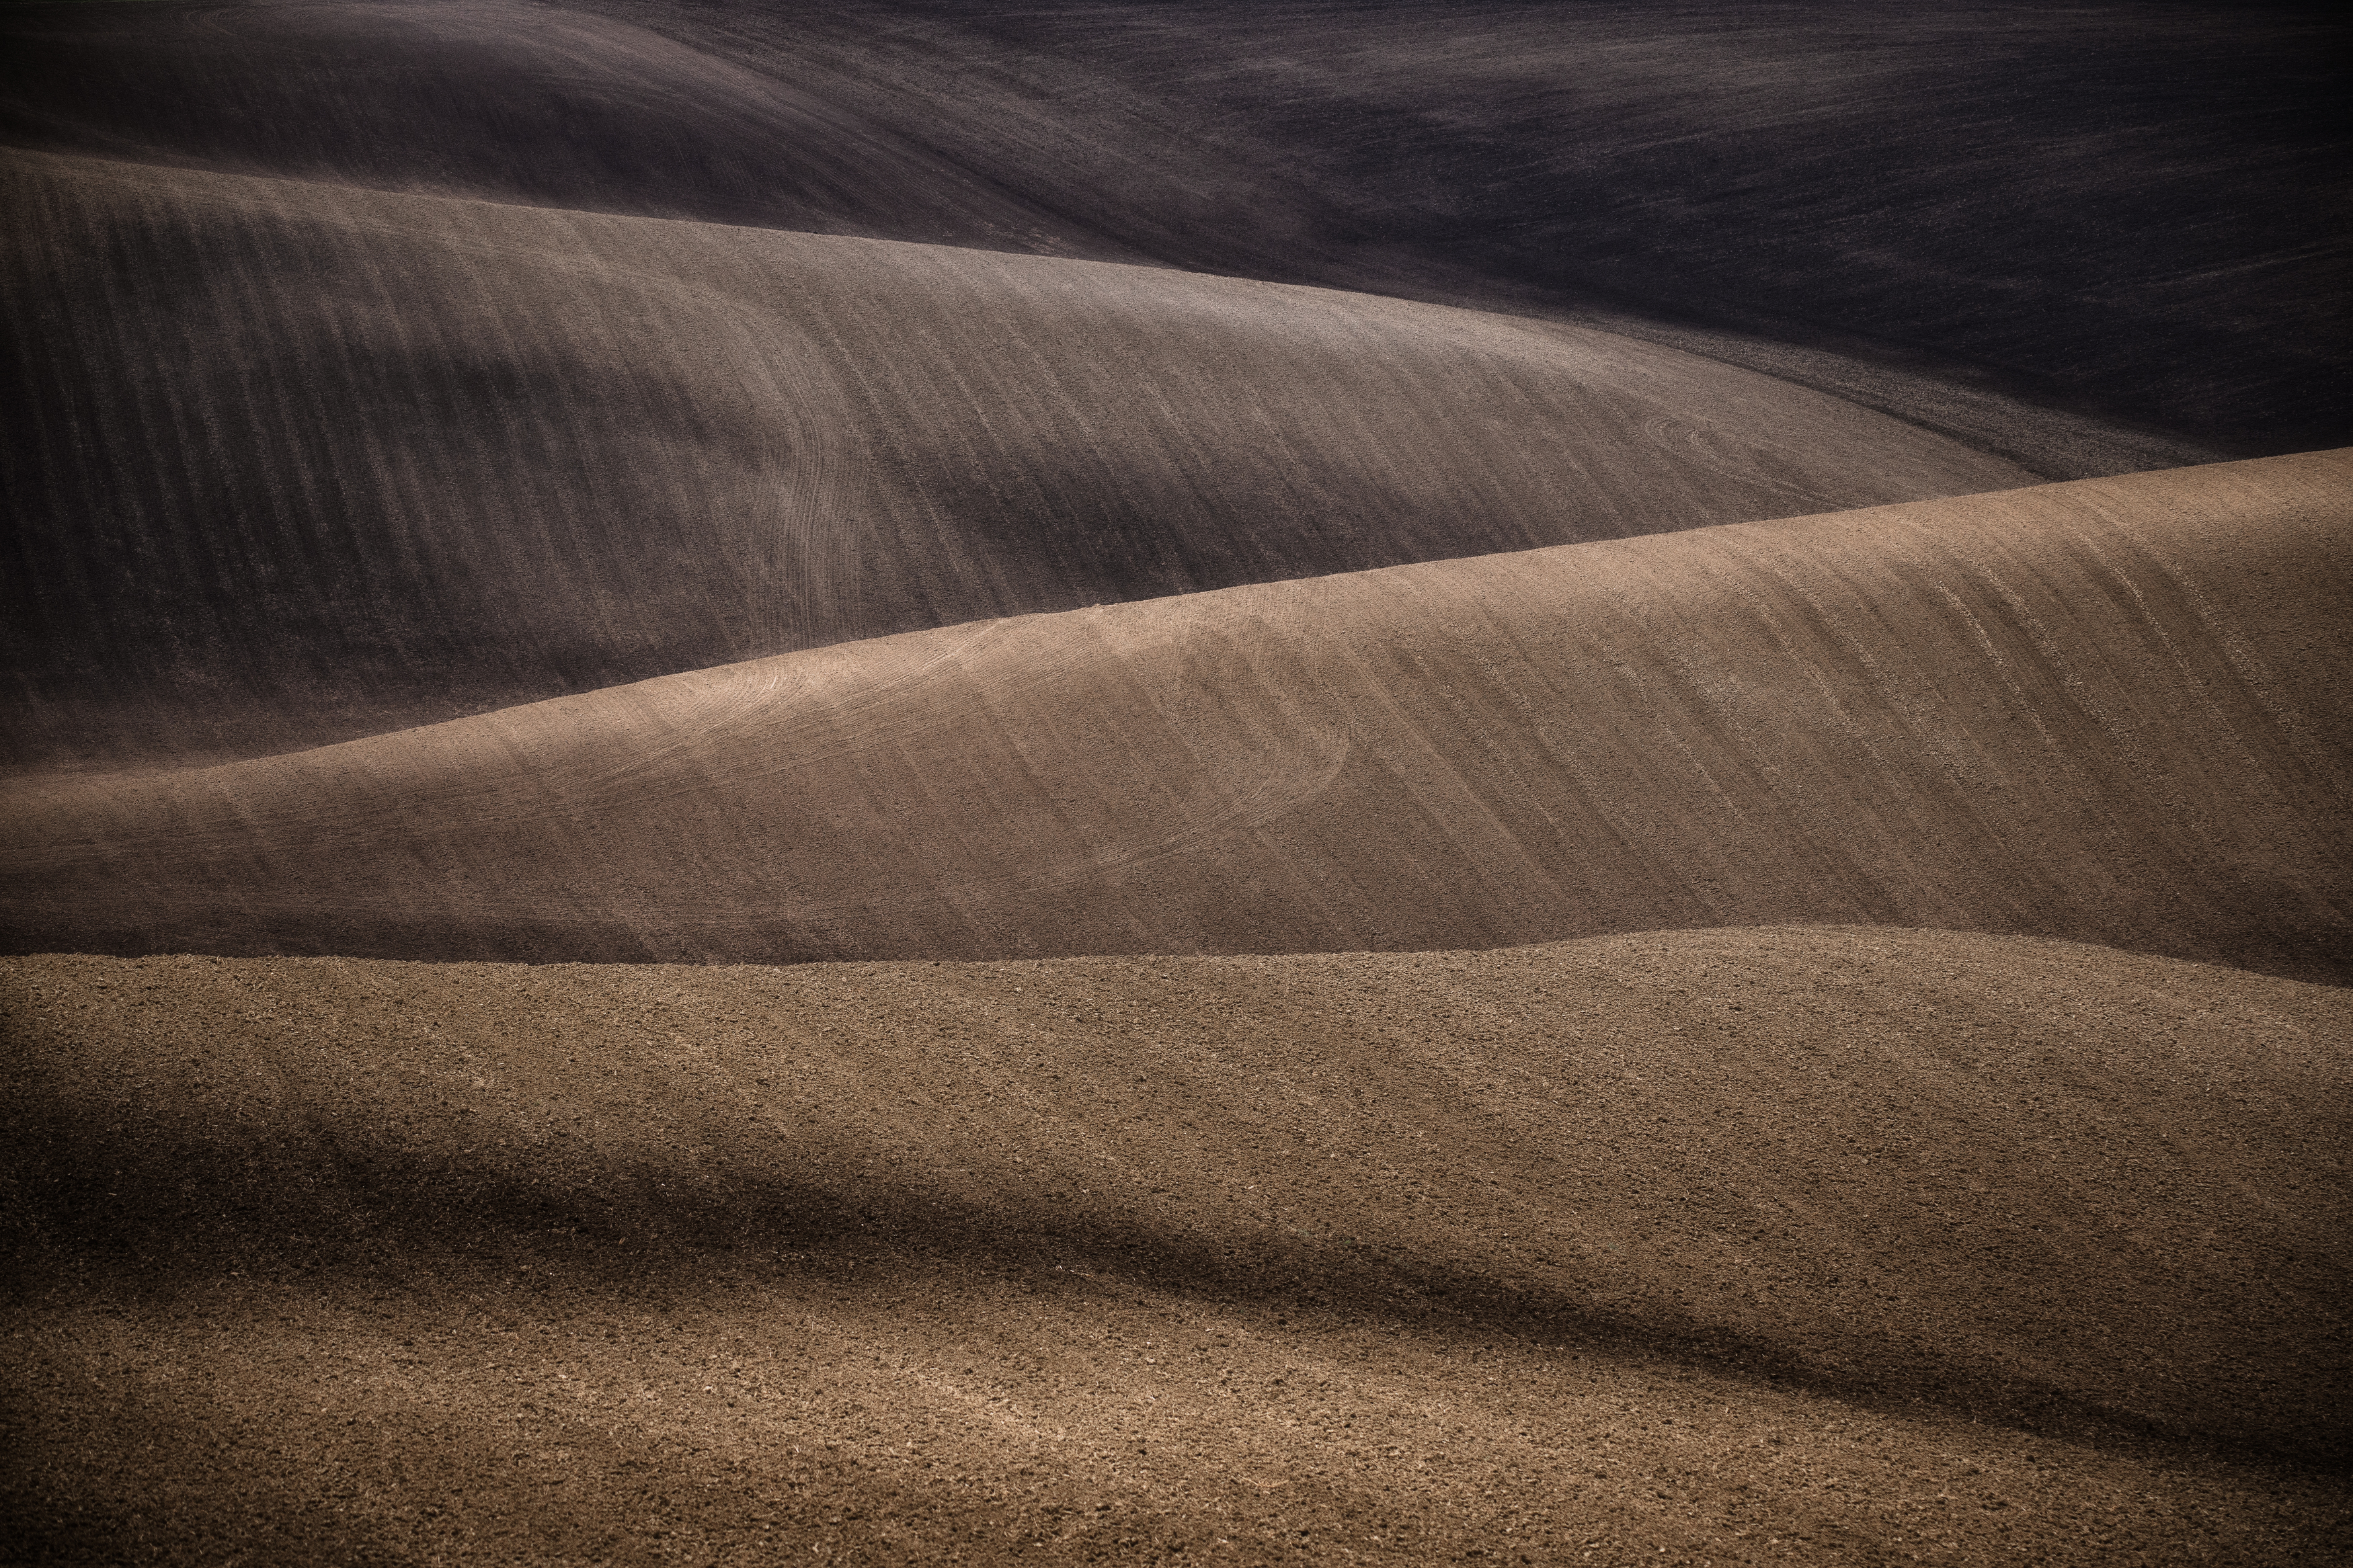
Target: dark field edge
(1368, 186)
(143, 1215)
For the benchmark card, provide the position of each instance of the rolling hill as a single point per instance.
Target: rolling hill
(2107, 710)
(1892, 1243)
(300, 463)
(1531, 782)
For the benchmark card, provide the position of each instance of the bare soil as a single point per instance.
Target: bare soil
(2109, 710)
(1847, 1243)
(465, 455)
(2010, 222)
(1258, 781)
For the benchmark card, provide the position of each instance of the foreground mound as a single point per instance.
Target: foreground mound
(2110, 710)
(300, 463)
(1910, 1244)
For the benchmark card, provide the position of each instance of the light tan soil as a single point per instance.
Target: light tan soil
(2113, 711)
(1797, 1245)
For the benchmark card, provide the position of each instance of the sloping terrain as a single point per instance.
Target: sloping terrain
(300, 463)
(1730, 1246)
(1176, 781)
(2111, 710)
(2131, 208)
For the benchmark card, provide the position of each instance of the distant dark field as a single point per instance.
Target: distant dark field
(2138, 210)
(1548, 783)
(2052, 244)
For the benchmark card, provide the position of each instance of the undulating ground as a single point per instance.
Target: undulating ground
(2132, 212)
(1780, 1244)
(695, 444)
(1175, 782)
(2110, 710)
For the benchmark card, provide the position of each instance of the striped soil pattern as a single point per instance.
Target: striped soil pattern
(2105, 710)
(305, 462)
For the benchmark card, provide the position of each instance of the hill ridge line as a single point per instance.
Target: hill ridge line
(2104, 709)
(980, 629)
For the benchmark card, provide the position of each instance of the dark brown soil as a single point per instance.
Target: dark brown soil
(2135, 206)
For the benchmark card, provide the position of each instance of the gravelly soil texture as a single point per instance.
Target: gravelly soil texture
(1175, 782)
(1789, 1244)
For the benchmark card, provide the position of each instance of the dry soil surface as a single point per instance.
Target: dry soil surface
(294, 462)
(1741, 1246)
(1043, 623)
(1962, 215)
(2111, 710)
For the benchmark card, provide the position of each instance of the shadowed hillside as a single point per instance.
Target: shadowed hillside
(300, 463)
(2132, 209)
(1926, 1243)
(2109, 710)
